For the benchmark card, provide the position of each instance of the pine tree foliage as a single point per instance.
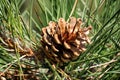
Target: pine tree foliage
(23, 21)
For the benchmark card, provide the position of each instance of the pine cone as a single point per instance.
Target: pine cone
(62, 41)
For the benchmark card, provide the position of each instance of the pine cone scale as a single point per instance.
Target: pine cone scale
(66, 45)
(62, 24)
(54, 48)
(66, 55)
(56, 39)
(72, 24)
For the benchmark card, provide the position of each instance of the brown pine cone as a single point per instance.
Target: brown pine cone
(62, 41)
